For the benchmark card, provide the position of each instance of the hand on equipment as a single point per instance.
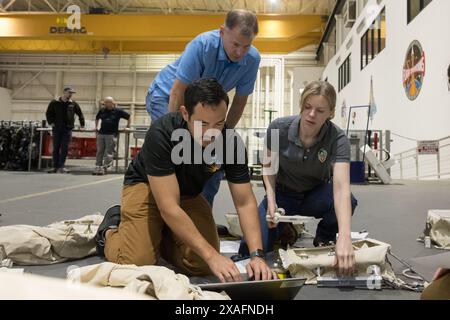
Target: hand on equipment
(271, 209)
(224, 268)
(258, 269)
(280, 216)
(275, 218)
(344, 260)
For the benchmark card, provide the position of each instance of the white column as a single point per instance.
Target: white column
(339, 30)
(278, 89)
(282, 83)
(275, 92)
(58, 83)
(253, 114)
(133, 98)
(9, 77)
(258, 97)
(326, 52)
(98, 90)
(267, 96)
(291, 92)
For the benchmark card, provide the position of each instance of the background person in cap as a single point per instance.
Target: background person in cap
(110, 116)
(225, 54)
(61, 116)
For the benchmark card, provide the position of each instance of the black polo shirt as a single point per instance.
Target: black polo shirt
(110, 120)
(161, 155)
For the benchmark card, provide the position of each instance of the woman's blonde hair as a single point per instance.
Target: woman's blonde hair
(319, 88)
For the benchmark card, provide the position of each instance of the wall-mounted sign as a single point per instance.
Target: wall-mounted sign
(65, 30)
(428, 147)
(414, 70)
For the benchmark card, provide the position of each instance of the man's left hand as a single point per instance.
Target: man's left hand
(344, 260)
(258, 268)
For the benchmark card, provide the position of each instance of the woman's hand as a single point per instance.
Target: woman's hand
(271, 208)
(344, 260)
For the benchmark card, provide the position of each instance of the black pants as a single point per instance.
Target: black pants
(61, 141)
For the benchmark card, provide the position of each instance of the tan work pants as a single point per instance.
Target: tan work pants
(143, 237)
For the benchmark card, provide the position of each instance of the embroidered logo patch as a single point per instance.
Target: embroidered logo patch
(322, 154)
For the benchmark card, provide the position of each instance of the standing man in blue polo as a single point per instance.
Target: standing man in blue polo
(226, 54)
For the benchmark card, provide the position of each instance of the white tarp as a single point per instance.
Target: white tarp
(55, 243)
(440, 227)
(155, 281)
(303, 263)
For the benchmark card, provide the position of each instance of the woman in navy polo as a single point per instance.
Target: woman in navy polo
(309, 174)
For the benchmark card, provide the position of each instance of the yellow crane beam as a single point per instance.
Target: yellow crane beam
(144, 33)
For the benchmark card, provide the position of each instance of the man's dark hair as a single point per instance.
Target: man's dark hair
(206, 91)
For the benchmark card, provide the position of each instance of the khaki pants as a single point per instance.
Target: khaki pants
(438, 290)
(106, 145)
(143, 237)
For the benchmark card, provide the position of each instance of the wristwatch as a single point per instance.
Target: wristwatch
(257, 253)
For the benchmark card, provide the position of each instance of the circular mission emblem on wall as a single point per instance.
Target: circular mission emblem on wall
(414, 70)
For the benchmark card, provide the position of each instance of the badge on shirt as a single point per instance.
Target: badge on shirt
(322, 154)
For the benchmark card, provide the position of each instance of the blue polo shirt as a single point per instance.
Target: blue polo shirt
(205, 57)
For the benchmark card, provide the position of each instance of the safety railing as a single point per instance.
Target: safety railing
(410, 164)
(132, 141)
(127, 146)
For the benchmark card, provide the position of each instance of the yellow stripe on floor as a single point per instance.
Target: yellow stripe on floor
(33, 195)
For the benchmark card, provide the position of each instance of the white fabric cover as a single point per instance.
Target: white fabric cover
(55, 243)
(440, 227)
(155, 281)
(303, 263)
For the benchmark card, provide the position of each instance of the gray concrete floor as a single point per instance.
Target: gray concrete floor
(394, 214)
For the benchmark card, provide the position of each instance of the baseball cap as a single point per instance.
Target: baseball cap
(70, 89)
